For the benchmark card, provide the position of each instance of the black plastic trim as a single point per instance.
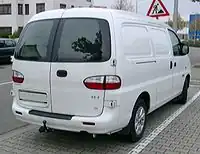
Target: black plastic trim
(51, 115)
(35, 92)
(18, 112)
(89, 123)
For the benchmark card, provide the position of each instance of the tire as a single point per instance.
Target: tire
(136, 134)
(184, 94)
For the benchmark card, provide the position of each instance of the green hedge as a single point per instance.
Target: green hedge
(16, 34)
(191, 43)
(194, 44)
(4, 35)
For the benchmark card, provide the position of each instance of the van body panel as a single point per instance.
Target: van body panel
(137, 49)
(181, 64)
(164, 74)
(51, 14)
(134, 55)
(180, 72)
(32, 56)
(34, 92)
(70, 96)
(81, 62)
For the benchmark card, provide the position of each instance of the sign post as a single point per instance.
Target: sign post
(157, 9)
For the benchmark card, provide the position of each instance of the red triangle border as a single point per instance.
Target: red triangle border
(158, 15)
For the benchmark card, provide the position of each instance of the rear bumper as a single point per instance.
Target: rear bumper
(104, 124)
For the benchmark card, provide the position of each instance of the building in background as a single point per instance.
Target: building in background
(15, 13)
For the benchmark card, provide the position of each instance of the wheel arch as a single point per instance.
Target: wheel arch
(146, 97)
(188, 78)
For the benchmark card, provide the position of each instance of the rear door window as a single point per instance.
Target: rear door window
(35, 43)
(82, 40)
(175, 43)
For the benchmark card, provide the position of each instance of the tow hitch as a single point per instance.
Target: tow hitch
(44, 128)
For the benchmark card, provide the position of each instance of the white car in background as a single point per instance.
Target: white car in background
(12, 57)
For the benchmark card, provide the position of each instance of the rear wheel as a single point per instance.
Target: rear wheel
(137, 123)
(184, 94)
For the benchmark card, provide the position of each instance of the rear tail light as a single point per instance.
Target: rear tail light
(17, 77)
(108, 82)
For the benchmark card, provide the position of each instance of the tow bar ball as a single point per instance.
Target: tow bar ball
(44, 128)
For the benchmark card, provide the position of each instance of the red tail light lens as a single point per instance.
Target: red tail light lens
(17, 77)
(110, 82)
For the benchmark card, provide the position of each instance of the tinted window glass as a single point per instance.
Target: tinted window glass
(82, 40)
(5, 9)
(20, 9)
(35, 40)
(26, 9)
(40, 7)
(175, 43)
(63, 6)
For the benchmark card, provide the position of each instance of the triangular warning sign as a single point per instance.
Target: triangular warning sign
(157, 9)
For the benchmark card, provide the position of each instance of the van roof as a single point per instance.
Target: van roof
(52, 14)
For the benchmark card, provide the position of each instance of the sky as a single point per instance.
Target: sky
(186, 7)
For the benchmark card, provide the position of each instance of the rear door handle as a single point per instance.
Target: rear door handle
(61, 73)
(171, 64)
(174, 64)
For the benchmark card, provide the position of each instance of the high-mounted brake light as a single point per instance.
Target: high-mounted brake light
(17, 77)
(108, 82)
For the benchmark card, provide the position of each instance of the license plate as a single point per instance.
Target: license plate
(36, 97)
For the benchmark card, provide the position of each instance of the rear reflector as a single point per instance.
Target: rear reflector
(108, 82)
(89, 123)
(17, 77)
(17, 112)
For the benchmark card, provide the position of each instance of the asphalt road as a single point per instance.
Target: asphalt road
(194, 55)
(8, 122)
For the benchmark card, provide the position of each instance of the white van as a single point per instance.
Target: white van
(97, 70)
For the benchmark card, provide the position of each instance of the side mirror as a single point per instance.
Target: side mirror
(185, 49)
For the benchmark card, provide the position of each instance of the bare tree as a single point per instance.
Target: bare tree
(124, 5)
(181, 23)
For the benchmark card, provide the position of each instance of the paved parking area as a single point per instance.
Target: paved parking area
(7, 119)
(5, 73)
(180, 136)
(29, 140)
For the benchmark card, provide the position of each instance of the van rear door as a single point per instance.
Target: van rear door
(82, 58)
(31, 67)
